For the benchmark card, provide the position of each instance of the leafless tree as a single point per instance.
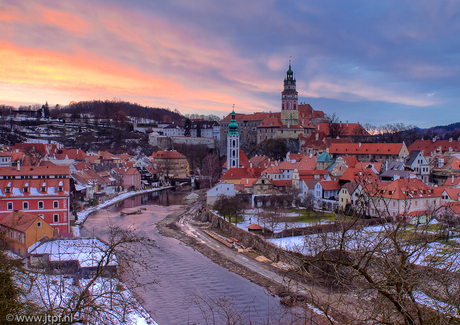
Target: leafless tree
(97, 296)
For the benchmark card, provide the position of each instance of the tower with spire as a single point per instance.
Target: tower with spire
(233, 144)
(289, 99)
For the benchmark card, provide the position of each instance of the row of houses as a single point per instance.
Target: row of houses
(42, 184)
(378, 179)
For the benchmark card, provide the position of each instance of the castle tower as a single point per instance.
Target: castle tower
(289, 100)
(233, 144)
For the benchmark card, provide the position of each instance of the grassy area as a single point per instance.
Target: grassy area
(312, 216)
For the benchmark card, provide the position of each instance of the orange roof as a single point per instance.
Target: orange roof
(356, 175)
(35, 171)
(453, 193)
(428, 146)
(364, 165)
(270, 122)
(256, 160)
(127, 171)
(238, 173)
(169, 154)
(366, 148)
(452, 181)
(254, 226)
(288, 165)
(305, 123)
(257, 116)
(350, 161)
(401, 189)
(330, 185)
(248, 182)
(306, 163)
(272, 170)
(21, 222)
(454, 206)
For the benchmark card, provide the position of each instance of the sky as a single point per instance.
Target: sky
(376, 62)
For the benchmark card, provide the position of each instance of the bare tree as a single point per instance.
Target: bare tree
(211, 168)
(96, 296)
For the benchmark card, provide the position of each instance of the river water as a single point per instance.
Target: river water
(184, 275)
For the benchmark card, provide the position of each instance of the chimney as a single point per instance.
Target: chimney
(316, 136)
(318, 127)
(451, 139)
(15, 217)
(347, 123)
(311, 155)
(359, 144)
(19, 165)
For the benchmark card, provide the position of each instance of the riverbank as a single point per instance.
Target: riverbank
(169, 226)
(82, 215)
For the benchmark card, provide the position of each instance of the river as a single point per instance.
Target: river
(183, 274)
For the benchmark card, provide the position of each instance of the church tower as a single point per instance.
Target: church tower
(289, 99)
(233, 144)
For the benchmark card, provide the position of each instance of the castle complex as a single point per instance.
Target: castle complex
(293, 120)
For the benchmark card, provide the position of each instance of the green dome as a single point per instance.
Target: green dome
(233, 126)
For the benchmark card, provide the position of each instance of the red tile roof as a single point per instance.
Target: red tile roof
(19, 220)
(238, 173)
(364, 165)
(428, 146)
(271, 121)
(254, 226)
(366, 148)
(257, 116)
(248, 182)
(169, 154)
(401, 189)
(330, 185)
(35, 171)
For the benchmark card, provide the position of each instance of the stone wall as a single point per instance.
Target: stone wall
(257, 242)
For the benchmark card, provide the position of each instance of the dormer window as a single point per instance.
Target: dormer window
(25, 190)
(59, 188)
(7, 189)
(42, 189)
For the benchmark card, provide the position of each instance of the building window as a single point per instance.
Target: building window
(55, 218)
(56, 204)
(40, 204)
(10, 206)
(25, 205)
(39, 224)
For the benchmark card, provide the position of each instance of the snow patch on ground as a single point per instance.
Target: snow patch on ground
(82, 215)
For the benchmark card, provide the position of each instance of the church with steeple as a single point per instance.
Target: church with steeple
(233, 144)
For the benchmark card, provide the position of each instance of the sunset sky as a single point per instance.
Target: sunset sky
(367, 61)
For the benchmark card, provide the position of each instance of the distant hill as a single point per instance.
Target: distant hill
(445, 131)
(120, 109)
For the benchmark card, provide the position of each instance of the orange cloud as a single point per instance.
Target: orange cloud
(67, 21)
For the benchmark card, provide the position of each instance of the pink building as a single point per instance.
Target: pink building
(403, 196)
(38, 190)
(131, 177)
